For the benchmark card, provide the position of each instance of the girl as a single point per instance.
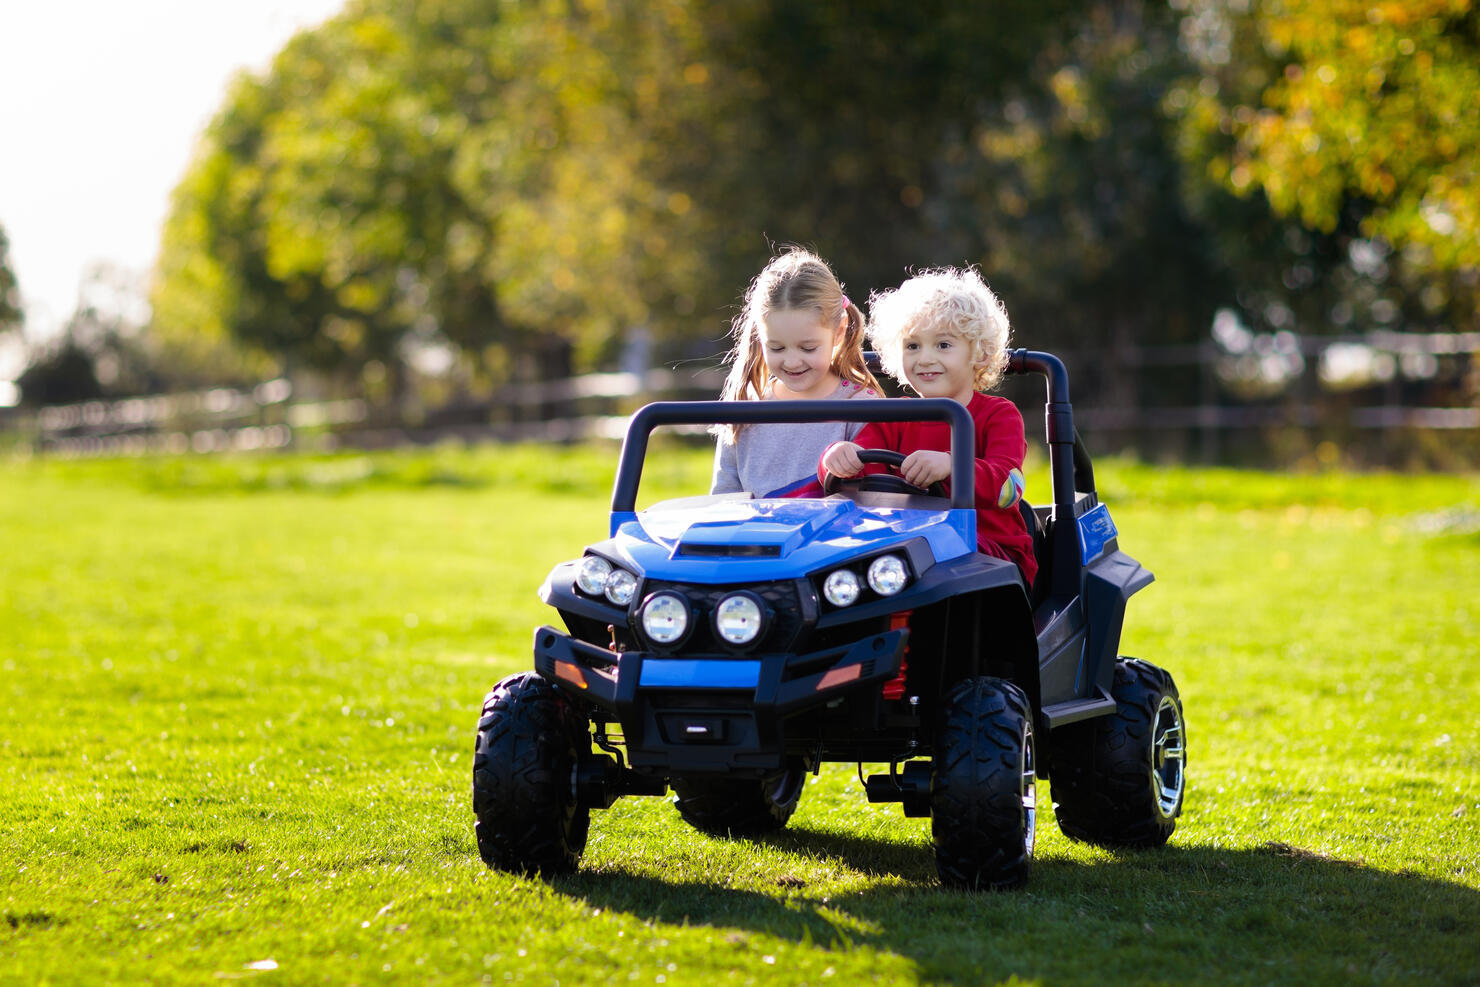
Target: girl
(797, 338)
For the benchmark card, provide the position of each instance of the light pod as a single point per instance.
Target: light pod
(738, 619)
(665, 618)
(841, 587)
(591, 576)
(887, 575)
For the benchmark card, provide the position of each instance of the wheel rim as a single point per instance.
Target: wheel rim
(1167, 757)
(1029, 791)
(785, 787)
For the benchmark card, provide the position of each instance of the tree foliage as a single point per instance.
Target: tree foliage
(1075, 192)
(443, 172)
(102, 350)
(850, 126)
(1337, 104)
(317, 218)
(11, 315)
(523, 184)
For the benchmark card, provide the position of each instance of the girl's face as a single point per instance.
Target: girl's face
(938, 364)
(799, 349)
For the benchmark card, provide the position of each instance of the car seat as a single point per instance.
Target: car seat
(1041, 552)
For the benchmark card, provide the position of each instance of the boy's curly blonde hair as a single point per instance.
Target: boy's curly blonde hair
(948, 298)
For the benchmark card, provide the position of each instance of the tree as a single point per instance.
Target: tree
(61, 372)
(848, 127)
(314, 224)
(11, 315)
(100, 352)
(1066, 191)
(1347, 104)
(439, 172)
(504, 178)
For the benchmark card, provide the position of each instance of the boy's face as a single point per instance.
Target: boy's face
(938, 364)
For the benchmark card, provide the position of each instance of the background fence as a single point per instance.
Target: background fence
(1339, 390)
(268, 417)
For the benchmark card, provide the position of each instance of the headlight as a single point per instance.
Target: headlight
(665, 617)
(591, 576)
(737, 619)
(841, 587)
(887, 575)
(621, 585)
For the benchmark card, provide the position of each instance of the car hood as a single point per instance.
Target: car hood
(751, 540)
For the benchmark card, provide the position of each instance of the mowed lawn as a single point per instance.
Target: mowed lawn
(239, 699)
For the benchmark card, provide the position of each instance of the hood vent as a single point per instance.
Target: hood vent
(707, 550)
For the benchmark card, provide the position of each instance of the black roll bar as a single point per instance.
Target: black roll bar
(1069, 464)
(651, 416)
(1068, 460)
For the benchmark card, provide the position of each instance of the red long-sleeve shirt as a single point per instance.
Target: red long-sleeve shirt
(1000, 448)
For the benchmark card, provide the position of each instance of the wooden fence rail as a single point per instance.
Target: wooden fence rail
(596, 406)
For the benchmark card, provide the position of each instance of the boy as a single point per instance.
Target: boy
(944, 333)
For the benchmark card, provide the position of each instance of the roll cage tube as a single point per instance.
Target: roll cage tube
(1070, 469)
(1069, 461)
(651, 416)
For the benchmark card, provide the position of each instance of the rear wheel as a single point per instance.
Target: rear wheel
(1120, 780)
(983, 795)
(529, 739)
(740, 808)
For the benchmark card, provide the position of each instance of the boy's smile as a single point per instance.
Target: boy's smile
(938, 364)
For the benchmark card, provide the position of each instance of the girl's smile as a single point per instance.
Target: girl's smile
(798, 350)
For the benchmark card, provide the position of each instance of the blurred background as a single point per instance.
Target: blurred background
(1251, 229)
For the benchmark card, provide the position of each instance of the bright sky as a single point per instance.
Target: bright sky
(100, 105)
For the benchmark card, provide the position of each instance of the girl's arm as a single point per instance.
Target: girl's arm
(726, 467)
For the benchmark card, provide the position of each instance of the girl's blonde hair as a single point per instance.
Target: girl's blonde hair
(796, 279)
(949, 299)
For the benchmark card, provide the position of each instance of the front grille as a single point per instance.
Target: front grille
(701, 699)
(791, 613)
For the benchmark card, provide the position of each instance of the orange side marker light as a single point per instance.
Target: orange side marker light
(572, 674)
(838, 676)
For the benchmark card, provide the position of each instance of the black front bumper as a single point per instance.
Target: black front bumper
(700, 714)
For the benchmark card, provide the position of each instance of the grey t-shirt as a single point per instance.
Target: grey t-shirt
(780, 460)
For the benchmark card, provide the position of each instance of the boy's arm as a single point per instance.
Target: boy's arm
(841, 458)
(1001, 445)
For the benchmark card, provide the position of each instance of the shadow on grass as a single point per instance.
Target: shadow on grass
(1271, 913)
(873, 857)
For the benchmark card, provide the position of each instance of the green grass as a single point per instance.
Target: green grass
(239, 698)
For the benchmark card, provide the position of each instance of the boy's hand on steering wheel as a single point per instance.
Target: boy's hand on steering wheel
(924, 467)
(841, 459)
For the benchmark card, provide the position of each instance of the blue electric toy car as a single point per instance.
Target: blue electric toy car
(725, 647)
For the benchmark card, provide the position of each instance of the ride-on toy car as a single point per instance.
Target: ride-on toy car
(725, 647)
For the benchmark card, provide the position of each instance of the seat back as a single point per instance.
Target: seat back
(1041, 552)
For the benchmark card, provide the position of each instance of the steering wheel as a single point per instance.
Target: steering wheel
(882, 482)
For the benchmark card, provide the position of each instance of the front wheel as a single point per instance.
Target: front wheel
(740, 808)
(983, 792)
(1119, 780)
(529, 740)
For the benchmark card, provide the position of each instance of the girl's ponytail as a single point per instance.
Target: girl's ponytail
(848, 362)
(746, 380)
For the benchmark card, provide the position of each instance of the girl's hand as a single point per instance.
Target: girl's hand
(923, 467)
(841, 459)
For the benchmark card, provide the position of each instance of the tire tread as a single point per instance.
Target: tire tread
(1101, 783)
(976, 806)
(528, 820)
